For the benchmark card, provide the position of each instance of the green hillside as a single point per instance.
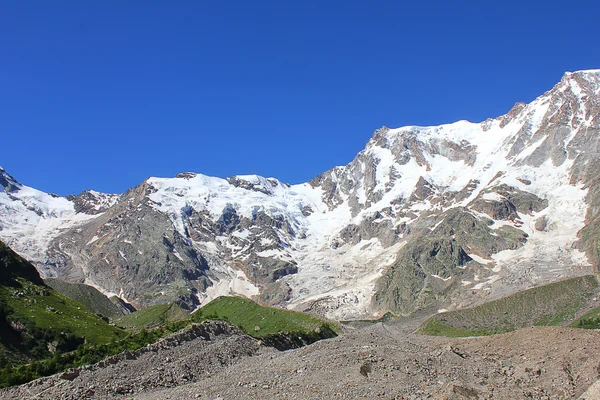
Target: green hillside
(36, 321)
(88, 296)
(259, 321)
(256, 320)
(589, 320)
(151, 317)
(553, 304)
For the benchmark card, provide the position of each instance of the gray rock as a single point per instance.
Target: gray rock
(541, 224)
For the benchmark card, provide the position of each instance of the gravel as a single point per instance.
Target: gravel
(384, 360)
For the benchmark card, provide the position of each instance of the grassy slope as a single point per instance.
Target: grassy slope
(589, 320)
(88, 296)
(553, 304)
(254, 319)
(49, 309)
(152, 317)
(33, 315)
(278, 328)
(260, 321)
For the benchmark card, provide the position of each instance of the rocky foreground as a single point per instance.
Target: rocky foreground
(384, 360)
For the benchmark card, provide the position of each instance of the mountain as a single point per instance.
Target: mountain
(445, 216)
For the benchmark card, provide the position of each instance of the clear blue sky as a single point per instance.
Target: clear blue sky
(103, 94)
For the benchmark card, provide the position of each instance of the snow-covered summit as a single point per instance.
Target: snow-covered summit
(587, 72)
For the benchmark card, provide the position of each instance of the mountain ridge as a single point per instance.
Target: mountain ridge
(350, 242)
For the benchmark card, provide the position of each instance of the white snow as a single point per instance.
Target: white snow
(104, 200)
(492, 196)
(233, 282)
(479, 259)
(176, 254)
(265, 242)
(30, 219)
(440, 278)
(93, 240)
(491, 280)
(274, 253)
(243, 234)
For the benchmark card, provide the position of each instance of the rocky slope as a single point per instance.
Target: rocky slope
(449, 215)
(184, 357)
(385, 360)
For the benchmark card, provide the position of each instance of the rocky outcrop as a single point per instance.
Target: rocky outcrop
(433, 260)
(133, 251)
(93, 203)
(8, 183)
(590, 234)
(254, 183)
(90, 297)
(497, 209)
(504, 202)
(183, 357)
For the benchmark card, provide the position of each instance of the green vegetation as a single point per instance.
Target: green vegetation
(587, 323)
(272, 325)
(85, 354)
(47, 309)
(435, 327)
(589, 320)
(88, 296)
(38, 325)
(152, 317)
(259, 321)
(36, 321)
(553, 304)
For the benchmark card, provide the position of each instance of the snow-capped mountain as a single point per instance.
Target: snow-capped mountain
(447, 215)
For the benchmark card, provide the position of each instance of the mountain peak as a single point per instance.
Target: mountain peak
(9, 183)
(582, 78)
(584, 72)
